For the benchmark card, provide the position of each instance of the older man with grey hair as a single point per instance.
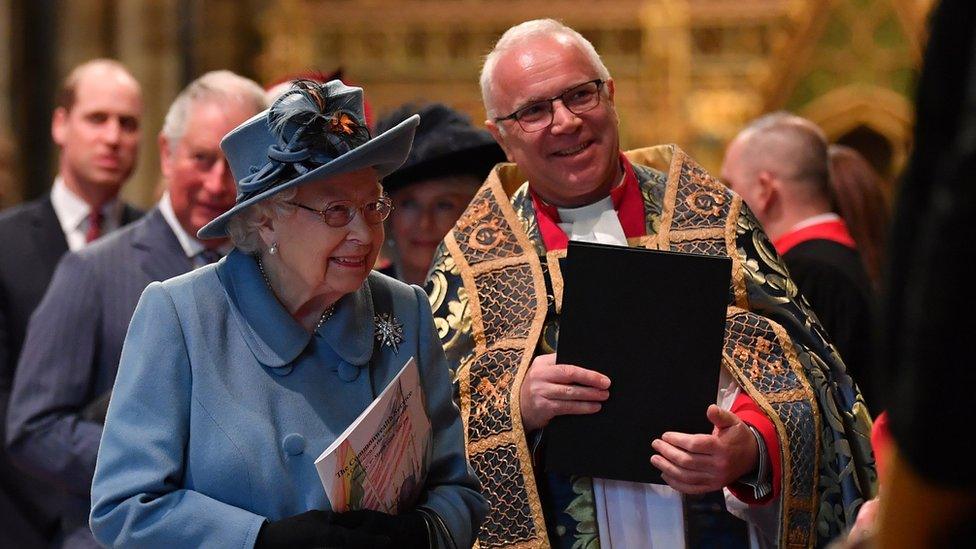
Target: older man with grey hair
(71, 353)
(787, 445)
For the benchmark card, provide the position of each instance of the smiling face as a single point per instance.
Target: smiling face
(574, 161)
(423, 213)
(316, 259)
(200, 183)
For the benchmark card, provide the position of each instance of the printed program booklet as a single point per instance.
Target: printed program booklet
(380, 461)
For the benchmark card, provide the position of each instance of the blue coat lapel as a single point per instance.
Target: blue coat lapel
(274, 337)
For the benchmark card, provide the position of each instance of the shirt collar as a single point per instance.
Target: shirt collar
(627, 201)
(277, 339)
(191, 246)
(72, 212)
(815, 220)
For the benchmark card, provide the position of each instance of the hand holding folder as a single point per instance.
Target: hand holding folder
(700, 463)
(550, 389)
(653, 322)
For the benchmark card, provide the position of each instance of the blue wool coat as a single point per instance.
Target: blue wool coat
(223, 402)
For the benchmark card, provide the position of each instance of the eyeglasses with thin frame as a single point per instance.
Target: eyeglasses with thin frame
(538, 115)
(341, 212)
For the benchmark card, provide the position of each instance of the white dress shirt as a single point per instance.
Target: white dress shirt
(192, 247)
(73, 214)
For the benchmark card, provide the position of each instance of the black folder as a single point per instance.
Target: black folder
(653, 322)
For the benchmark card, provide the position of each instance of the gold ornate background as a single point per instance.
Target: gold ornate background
(688, 71)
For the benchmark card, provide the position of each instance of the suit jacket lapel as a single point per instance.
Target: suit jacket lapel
(161, 256)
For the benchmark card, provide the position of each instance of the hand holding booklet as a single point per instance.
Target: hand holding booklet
(380, 461)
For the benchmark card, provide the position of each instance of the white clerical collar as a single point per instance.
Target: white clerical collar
(596, 222)
(73, 214)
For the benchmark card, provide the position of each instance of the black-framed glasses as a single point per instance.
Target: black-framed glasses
(537, 116)
(340, 213)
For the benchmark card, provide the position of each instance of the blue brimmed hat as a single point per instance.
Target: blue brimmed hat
(312, 132)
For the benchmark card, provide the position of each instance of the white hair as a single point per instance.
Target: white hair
(219, 86)
(243, 227)
(522, 33)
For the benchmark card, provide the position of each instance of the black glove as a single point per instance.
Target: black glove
(315, 529)
(96, 409)
(408, 530)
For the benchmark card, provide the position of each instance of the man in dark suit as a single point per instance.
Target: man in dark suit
(74, 340)
(779, 165)
(96, 126)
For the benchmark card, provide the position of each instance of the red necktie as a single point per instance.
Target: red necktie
(94, 225)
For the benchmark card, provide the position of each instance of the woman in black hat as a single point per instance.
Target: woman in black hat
(449, 160)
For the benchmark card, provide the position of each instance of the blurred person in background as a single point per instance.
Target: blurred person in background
(929, 497)
(449, 160)
(71, 353)
(96, 126)
(778, 165)
(858, 198)
(6, 170)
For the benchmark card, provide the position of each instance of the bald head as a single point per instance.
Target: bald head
(778, 165)
(787, 146)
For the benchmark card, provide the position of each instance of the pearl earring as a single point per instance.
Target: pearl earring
(274, 248)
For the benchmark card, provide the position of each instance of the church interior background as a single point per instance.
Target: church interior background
(690, 72)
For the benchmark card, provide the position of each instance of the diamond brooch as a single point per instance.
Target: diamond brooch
(389, 330)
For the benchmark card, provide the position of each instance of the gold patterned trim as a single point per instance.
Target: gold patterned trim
(489, 443)
(797, 504)
(785, 396)
(556, 276)
(738, 273)
(697, 234)
(650, 242)
(535, 331)
(495, 264)
(791, 505)
(670, 197)
(481, 214)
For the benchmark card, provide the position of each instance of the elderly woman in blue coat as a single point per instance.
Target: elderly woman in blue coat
(235, 377)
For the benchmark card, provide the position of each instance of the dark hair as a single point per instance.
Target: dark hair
(857, 196)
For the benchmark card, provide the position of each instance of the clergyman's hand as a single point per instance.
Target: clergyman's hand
(696, 464)
(550, 390)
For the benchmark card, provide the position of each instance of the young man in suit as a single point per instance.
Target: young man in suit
(74, 339)
(96, 126)
(778, 165)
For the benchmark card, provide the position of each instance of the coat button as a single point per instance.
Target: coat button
(348, 372)
(293, 444)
